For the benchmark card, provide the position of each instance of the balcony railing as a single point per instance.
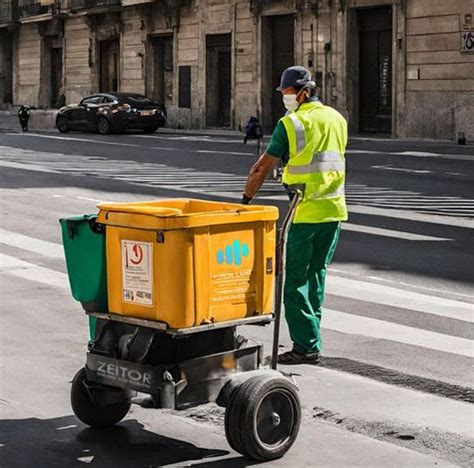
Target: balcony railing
(75, 5)
(8, 11)
(27, 8)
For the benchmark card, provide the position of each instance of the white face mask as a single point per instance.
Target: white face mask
(290, 102)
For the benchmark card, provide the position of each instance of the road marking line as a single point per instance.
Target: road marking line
(225, 152)
(28, 167)
(459, 157)
(31, 244)
(89, 199)
(401, 284)
(379, 329)
(416, 153)
(206, 139)
(402, 169)
(409, 215)
(32, 272)
(397, 283)
(390, 233)
(424, 154)
(84, 140)
(403, 299)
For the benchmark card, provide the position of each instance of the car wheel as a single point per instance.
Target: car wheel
(150, 129)
(88, 411)
(62, 124)
(103, 126)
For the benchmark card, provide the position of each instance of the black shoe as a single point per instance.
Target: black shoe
(294, 357)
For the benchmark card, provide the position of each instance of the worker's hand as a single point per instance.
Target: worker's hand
(245, 200)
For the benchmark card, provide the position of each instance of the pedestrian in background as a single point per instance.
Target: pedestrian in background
(24, 117)
(312, 138)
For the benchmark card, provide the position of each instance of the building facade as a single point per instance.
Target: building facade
(398, 67)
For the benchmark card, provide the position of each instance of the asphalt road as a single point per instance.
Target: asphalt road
(395, 385)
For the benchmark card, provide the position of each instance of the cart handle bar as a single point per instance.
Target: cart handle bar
(296, 193)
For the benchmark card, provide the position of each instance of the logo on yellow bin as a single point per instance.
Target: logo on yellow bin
(233, 253)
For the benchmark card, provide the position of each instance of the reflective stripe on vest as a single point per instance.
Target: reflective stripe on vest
(325, 161)
(299, 132)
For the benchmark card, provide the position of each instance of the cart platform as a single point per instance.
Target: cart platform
(161, 326)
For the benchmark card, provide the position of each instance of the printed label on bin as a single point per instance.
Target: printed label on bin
(232, 268)
(137, 275)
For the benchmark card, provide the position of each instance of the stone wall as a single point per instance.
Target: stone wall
(132, 53)
(439, 78)
(246, 69)
(28, 65)
(188, 52)
(78, 60)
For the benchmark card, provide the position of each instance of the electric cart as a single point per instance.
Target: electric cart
(139, 361)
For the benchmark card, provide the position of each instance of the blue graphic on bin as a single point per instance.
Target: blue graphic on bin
(233, 253)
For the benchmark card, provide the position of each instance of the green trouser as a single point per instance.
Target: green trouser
(309, 252)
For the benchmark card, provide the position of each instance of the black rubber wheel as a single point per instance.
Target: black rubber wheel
(103, 126)
(62, 124)
(263, 417)
(233, 412)
(150, 129)
(88, 411)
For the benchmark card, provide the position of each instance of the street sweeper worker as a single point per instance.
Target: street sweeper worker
(312, 138)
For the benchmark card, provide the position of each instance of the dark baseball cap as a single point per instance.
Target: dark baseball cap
(294, 77)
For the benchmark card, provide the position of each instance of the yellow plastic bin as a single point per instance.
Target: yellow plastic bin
(189, 262)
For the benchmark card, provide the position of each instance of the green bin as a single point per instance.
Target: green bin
(84, 248)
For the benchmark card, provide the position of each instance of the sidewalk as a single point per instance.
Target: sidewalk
(40, 119)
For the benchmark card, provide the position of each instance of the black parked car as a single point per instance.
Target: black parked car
(111, 112)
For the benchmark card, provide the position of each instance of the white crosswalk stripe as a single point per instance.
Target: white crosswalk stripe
(383, 197)
(50, 249)
(29, 271)
(222, 184)
(379, 329)
(391, 296)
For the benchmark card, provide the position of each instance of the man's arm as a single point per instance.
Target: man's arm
(259, 172)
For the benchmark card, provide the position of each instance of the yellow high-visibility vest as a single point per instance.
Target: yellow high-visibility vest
(317, 135)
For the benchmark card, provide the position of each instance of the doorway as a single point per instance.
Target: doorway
(218, 80)
(57, 93)
(162, 85)
(51, 73)
(108, 65)
(6, 69)
(375, 70)
(278, 53)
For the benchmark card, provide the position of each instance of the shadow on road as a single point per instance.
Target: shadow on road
(237, 462)
(63, 442)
